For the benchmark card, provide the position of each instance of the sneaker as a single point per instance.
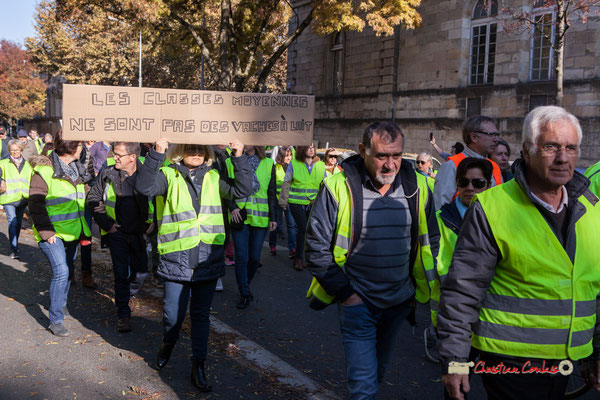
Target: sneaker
(219, 287)
(430, 340)
(66, 312)
(250, 296)
(292, 254)
(273, 251)
(14, 255)
(123, 325)
(59, 330)
(244, 302)
(229, 261)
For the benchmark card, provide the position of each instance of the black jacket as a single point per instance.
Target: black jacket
(96, 195)
(451, 217)
(203, 262)
(323, 220)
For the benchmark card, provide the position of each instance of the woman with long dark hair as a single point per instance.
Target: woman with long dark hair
(57, 207)
(282, 160)
(251, 217)
(300, 187)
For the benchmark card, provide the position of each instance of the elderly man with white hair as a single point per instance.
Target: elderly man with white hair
(524, 282)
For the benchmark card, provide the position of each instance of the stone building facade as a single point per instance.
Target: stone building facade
(460, 62)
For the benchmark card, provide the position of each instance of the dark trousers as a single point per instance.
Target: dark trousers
(130, 267)
(177, 296)
(524, 385)
(86, 251)
(300, 213)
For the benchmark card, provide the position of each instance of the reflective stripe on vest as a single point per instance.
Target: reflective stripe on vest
(305, 186)
(257, 205)
(65, 205)
(447, 243)
(179, 228)
(423, 267)
(17, 183)
(539, 304)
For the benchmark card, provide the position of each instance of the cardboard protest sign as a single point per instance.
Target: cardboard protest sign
(114, 113)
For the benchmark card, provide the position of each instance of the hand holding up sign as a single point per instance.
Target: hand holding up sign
(237, 148)
(161, 145)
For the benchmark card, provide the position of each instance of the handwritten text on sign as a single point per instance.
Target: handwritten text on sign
(185, 116)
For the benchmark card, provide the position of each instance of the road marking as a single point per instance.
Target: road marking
(269, 362)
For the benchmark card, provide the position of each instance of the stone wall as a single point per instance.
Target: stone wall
(419, 79)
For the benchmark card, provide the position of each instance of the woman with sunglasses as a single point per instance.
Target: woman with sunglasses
(331, 162)
(473, 176)
(15, 177)
(425, 167)
(191, 236)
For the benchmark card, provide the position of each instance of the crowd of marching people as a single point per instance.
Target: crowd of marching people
(503, 253)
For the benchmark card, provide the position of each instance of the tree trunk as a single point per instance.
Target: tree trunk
(561, 26)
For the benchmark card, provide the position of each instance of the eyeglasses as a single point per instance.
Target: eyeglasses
(490, 134)
(552, 149)
(15, 151)
(421, 162)
(117, 156)
(331, 156)
(194, 150)
(478, 183)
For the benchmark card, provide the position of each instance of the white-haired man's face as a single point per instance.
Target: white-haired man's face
(551, 160)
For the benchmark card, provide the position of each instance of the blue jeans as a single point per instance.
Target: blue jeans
(61, 256)
(177, 296)
(368, 340)
(292, 229)
(248, 243)
(14, 215)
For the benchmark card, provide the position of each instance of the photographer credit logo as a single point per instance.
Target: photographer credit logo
(565, 367)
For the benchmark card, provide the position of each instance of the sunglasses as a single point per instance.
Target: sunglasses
(421, 162)
(478, 183)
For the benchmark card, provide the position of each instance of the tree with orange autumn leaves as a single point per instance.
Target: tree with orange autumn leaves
(240, 43)
(22, 92)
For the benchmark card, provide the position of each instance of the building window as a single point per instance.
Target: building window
(483, 42)
(338, 63)
(473, 106)
(542, 51)
(538, 100)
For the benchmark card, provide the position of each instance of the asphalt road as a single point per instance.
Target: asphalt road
(96, 362)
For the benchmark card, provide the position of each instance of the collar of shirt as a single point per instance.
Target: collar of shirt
(368, 183)
(471, 153)
(564, 202)
(462, 209)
